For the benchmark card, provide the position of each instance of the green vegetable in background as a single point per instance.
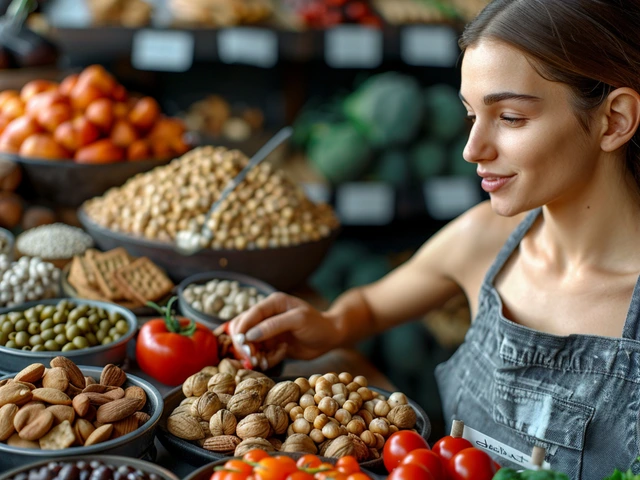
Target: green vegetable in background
(510, 474)
(392, 166)
(428, 159)
(444, 114)
(387, 109)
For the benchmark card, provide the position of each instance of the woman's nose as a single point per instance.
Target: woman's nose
(479, 147)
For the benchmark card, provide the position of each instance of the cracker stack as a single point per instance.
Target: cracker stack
(114, 276)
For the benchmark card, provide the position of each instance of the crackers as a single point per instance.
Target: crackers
(114, 276)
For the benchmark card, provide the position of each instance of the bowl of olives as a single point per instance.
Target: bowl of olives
(95, 467)
(88, 332)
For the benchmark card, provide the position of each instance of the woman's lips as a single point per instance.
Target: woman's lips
(493, 184)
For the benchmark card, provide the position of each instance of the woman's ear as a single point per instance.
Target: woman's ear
(622, 118)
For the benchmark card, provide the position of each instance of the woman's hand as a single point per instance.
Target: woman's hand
(279, 318)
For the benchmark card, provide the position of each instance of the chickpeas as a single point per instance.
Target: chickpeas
(222, 298)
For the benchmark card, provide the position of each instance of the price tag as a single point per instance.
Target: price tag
(317, 192)
(448, 197)
(429, 46)
(351, 46)
(365, 203)
(247, 45)
(68, 13)
(162, 50)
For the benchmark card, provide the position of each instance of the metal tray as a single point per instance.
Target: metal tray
(14, 360)
(134, 444)
(202, 278)
(284, 268)
(114, 460)
(67, 183)
(205, 472)
(198, 456)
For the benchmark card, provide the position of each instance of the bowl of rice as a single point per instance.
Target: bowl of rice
(56, 243)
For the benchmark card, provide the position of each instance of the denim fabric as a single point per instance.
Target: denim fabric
(578, 396)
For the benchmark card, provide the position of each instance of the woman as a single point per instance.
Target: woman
(550, 265)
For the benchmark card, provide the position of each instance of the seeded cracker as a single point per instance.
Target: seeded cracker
(103, 265)
(143, 280)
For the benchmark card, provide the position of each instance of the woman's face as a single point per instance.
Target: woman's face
(528, 145)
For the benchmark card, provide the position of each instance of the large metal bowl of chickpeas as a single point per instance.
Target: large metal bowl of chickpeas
(87, 331)
(58, 410)
(266, 228)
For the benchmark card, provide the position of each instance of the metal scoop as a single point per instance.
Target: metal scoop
(188, 242)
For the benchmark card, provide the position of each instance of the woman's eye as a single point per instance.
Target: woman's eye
(512, 121)
(470, 118)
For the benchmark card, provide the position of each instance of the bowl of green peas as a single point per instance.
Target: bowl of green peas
(89, 332)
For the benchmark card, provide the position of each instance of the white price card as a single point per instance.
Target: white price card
(248, 45)
(317, 192)
(365, 203)
(429, 45)
(352, 46)
(162, 50)
(448, 197)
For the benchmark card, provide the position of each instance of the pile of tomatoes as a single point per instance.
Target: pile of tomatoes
(407, 456)
(259, 465)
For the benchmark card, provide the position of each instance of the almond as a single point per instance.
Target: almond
(89, 381)
(59, 437)
(52, 396)
(62, 413)
(81, 404)
(56, 378)
(31, 373)
(15, 393)
(83, 430)
(15, 441)
(221, 443)
(7, 414)
(26, 414)
(99, 435)
(28, 385)
(74, 373)
(72, 390)
(136, 392)
(98, 399)
(38, 427)
(96, 388)
(142, 417)
(124, 426)
(113, 376)
(116, 393)
(117, 410)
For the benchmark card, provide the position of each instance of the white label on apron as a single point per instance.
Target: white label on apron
(484, 442)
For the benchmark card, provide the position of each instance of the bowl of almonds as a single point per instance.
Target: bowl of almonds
(222, 411)
(65, 410)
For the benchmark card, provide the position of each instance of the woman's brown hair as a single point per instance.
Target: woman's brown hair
(593, 46)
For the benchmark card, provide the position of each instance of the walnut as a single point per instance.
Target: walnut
(277, 417)
(185, 427)
(254, 425)
(402, 416)
(221, 383)
(347, 445)
(195, 385)
(229, 366)
(254, 384)
(223, 423)
(244, 403)
(299, 442)
(253, 444)
(206, 406)
(283, 393)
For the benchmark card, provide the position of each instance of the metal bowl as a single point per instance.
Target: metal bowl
(198, 456)
(114, 460)
(202, 278)
(205, 472)
(13, 360)
(68, 184)
(134, 444)
(284, 268)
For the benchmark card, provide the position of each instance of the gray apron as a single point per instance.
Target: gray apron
(577, 396)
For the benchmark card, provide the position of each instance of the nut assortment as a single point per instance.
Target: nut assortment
(62, 327)
(114, 276)
(266, 210)
(54, 242)
(85, 469)
(26, 280)
(231, 411)
(57, 408)
(221, 298)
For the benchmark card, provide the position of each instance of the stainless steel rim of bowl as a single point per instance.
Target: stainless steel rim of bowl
(71, 163)
(150, 390)
(115, 460)
(27, 354)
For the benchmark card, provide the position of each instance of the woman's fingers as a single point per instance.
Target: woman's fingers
(275, 325)
(272, 305)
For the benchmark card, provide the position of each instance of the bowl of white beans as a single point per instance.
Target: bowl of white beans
(218, 296)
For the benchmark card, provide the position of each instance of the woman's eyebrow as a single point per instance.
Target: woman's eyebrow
(492, 98)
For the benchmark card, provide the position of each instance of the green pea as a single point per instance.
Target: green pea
(21, 325)
(102, 313)
(72, 332)
(11, 344)
(112, 331)
(122, 326)
(62, 305)
(105, 325)
(94, 319)
(58, 317)
(38, 348)
(35, 340)
(15, 316)
(68, 346)
(107, 340)
(26, 348)
(73, 315)
(80, 342)
(100, 335)
(12, 335)
(46, 324)
(34, 328)
(3, 338)
(92, 339)
(51, 345)
(7, 327)
(38, 308)
(91, 311)
(22, 339)
(83, 324)
(82, 309)
(114, 317)
(116, 336)
(48, 334)
(47, 312)
(61, 339)
(60, 328)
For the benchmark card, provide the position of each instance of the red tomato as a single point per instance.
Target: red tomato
(448, 446)
(348, 465)
(410, 472)
(359, 476)
(427, 459)
(171, 349)
(300, 475)
(239, 466)
(308, 461)
(398, 445)
(471, 463)
(254, 456)
(271, 468)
